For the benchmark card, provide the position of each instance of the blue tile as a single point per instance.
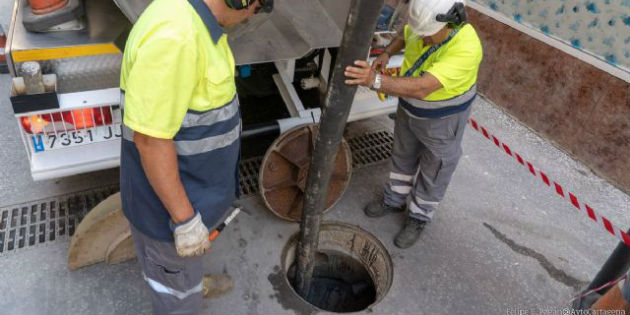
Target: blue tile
(592, 7)
(576, 43)
(518, 18)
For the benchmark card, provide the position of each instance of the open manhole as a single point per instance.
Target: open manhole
(353, 271)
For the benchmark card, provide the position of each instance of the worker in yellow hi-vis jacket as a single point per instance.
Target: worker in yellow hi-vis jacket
(181, 143)
(436, 90)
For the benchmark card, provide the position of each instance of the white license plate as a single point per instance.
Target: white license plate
(63, 139)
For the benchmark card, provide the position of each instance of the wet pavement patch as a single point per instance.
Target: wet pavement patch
(286, 296)
(554, 272)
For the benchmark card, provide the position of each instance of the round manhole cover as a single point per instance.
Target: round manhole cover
(285, 167)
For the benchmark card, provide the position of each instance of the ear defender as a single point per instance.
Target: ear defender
(239, 4)
(266, 5)
(456, 15)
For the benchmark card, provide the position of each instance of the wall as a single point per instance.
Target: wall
(600, 27)
(584, 110)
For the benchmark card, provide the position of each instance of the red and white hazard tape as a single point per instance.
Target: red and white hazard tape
(569, 196)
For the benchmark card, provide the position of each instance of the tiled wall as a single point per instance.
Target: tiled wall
(600, 27)
(580, 108)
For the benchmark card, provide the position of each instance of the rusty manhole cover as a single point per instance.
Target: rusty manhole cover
(285, 168)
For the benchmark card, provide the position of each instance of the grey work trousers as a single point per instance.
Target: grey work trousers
(176, 283)
(424, 158)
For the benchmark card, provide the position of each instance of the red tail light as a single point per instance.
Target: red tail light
(3, 43)
(33, 124)
(46, 6)
(68, 120)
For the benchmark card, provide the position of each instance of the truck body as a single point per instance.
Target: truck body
(73, 127)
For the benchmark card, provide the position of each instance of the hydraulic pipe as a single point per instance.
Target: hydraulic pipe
(262, 129)
(355, 44)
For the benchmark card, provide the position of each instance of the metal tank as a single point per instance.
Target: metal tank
(294, 28)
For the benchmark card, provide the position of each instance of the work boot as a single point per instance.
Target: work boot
(378, 208)
(215, 286)
(410, 233)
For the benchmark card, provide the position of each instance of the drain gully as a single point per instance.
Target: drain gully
(46, 220)
(371, 148)
(248, 170)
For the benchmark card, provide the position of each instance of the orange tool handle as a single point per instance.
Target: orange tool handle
(213, 236)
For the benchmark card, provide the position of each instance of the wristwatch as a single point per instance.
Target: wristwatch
(378, 81)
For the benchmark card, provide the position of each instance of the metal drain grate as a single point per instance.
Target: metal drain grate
(249, 170)
(48, 219)
(367, 149)
(54, 218)
(371, 148)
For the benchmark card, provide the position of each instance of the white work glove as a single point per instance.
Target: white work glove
(191, 238)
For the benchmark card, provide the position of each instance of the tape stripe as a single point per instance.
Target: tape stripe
(574, 201)
(570, 197)
(496, 141)
(559, 189)
(590, 212)
(520, 159)
(485, 132)
(608, 226)
(507, 149)
(474, 124)
(63, 52)
(403, 190)
(401, 177)
(161, 288)
(531, 168)
(545, 178)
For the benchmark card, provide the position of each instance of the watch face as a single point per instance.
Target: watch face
(377, 82)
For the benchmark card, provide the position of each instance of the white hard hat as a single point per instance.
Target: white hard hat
(423, 13)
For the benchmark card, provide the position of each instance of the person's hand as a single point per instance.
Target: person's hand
(191, 237)
(360, 74)
(381, 62)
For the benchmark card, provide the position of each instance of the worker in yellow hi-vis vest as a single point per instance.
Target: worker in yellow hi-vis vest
(436, 90)
(181, 143)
